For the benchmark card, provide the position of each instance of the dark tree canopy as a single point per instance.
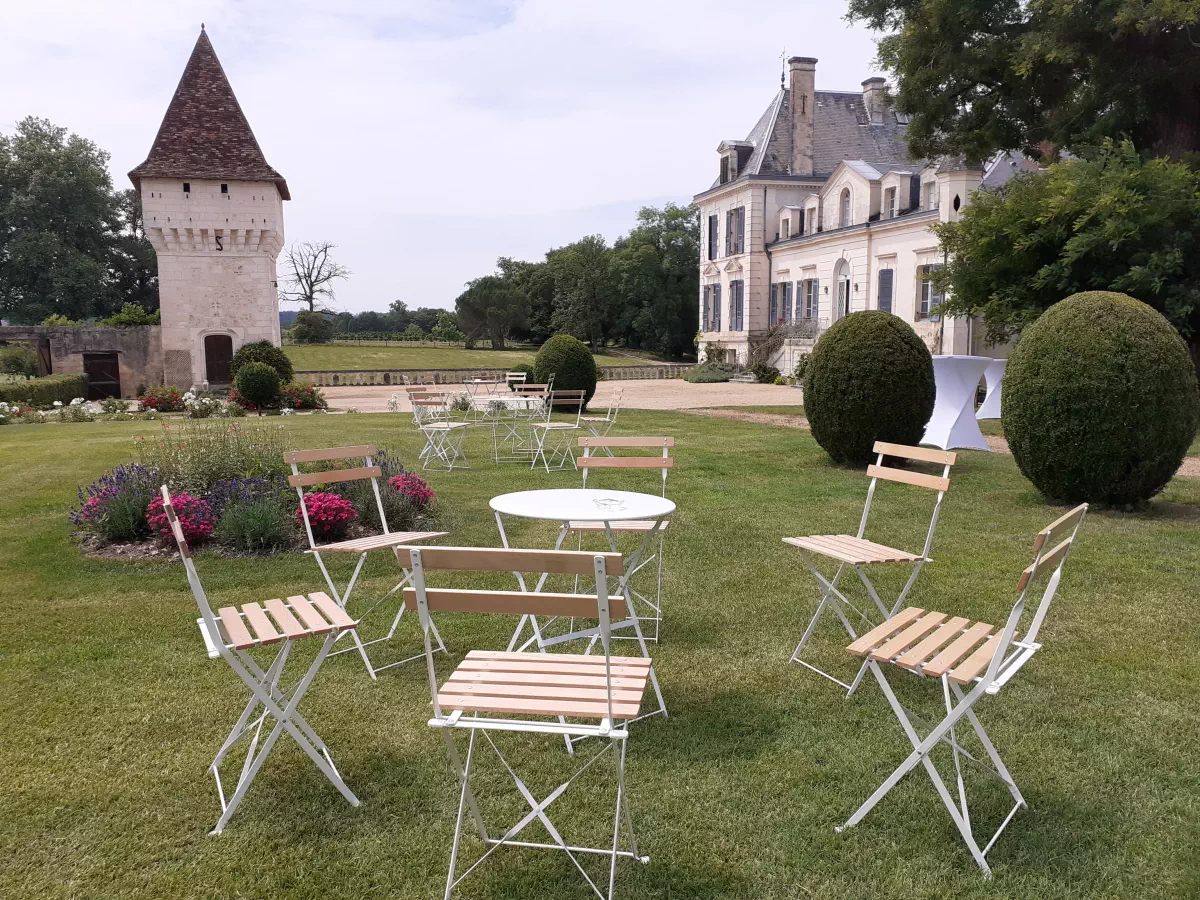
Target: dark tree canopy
(69, 245)
(976, 76)
(491, 307)
(1114, 222)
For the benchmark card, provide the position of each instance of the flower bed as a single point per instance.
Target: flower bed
(229, 487)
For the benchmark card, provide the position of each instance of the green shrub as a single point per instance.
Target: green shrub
(869, 378)
(527, 369)
(113, 405)
(310, 328)
(1100, 400)
(709, 373)
(264, 352)
(163, 398)
(256, 515)
(257, 385)
(801, 367)
(413, 332)
(58, 320)
(18, 359)
(130, 315)
(570, 362)
(763, 373)
(41, 393)
(196, 455)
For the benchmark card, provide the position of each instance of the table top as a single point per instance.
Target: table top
(580, 504)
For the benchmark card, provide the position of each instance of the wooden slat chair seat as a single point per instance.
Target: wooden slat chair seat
(560, 695)
(856, 551)
(972, 660)
(638, 526)
(395, 541)
(231, 633)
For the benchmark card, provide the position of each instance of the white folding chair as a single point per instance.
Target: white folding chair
(443, 436)
(856, 551)
(532, 693)
(230, 634)
(645, 609)
(600, 426)
(512, 378)
(973, 661)
(384, 540)
(560, 451)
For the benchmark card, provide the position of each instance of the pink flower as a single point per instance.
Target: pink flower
(329, 514)
(194, 514)
(415, 488)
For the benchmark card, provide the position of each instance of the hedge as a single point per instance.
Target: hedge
(42, 392)
(263, 352)
(1100, 400)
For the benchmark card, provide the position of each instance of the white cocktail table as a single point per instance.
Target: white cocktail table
(953, 421)
(993, 376)
(566, 505)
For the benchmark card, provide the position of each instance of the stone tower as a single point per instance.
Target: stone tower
(213, 210)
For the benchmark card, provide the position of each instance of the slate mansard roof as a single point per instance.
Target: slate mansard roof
(842, 130)
(204, 133)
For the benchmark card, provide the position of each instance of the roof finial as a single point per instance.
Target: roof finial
(782, 68)
(201, 26)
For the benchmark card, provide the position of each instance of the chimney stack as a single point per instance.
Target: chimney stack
(803, 71)
(872, 90)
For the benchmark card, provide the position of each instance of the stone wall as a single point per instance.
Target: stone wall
(139, 350)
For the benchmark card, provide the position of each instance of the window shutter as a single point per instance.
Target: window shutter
(885, 289)
(774, 307)
(716, 307)
(787, 301)
(704, 310)
(729, 233)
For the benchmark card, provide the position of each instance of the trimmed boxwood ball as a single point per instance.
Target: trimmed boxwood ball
(1100, 400)
(869, 378)
(264, 352)
(258, 383)
(571, 363)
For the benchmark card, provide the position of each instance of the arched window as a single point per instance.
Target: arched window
(845, 207)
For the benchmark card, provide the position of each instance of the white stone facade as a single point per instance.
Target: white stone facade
(217, 246)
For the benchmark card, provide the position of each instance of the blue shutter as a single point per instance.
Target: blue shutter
(885, 289)
(716, 307)
(787, 301)
(774, 305)
(704, 311)
(729, 233)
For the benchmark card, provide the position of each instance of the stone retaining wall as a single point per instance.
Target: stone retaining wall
(325, 378)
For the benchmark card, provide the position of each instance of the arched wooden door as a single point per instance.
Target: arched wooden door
(218, 358)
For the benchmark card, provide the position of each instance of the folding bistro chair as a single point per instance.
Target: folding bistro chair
(230, 634)
(651, 610)
(385, 540)
(443, 435)
(600, 426)
(489, 687)
(513, 378)
(973, 660)
(856, 551)
(560, 451)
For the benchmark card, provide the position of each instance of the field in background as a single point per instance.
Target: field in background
(359, 357)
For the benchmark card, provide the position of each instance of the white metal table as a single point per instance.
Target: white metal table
(953, 421)
(566, 505)
(993, 376)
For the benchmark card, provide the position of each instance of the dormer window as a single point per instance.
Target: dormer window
(724, 169)
(785, 228)
(187, 187)
(889, 203)
(845, 207)
(931, 195)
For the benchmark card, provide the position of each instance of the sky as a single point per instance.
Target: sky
(427, 138)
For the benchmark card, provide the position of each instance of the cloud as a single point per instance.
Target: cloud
(427, 139)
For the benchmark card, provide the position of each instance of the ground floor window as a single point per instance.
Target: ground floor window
(930, 296)
(809, 291)
(886, 280)
(737, 304)
(716, 307)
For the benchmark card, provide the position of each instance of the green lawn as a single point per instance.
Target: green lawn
(352, 357)
(110, 711)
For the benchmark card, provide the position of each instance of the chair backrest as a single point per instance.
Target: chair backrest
(185, 553)
(938, 483)
(664, 461)
(567, 402)
(300, 480)
(1051, 548)
(614, 405)
(599, 605)
(515, 377)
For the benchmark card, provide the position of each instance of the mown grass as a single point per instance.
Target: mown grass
(111, 712)
(360, 357)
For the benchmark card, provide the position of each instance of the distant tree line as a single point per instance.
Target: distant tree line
(640, 292)
(70, 245)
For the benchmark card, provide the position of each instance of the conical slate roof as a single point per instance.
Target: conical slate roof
(204, 133)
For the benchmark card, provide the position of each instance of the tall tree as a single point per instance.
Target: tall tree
(58, 218)
(657, 270)
(584, 290)
(976, 76)
(309, 274)
(1114, 222)
(134, 262)
(491, 307)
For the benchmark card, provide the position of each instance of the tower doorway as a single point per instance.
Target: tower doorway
(218, 359)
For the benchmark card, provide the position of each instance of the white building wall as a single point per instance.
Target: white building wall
(217, 257)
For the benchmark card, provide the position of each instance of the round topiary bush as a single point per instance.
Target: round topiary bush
(870, 378)
(258, 385)
(263, 352)
(570, 362)
(1100, 400)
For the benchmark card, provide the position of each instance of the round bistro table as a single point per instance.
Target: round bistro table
(567, 505)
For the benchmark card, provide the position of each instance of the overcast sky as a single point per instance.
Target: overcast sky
(428, 137)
